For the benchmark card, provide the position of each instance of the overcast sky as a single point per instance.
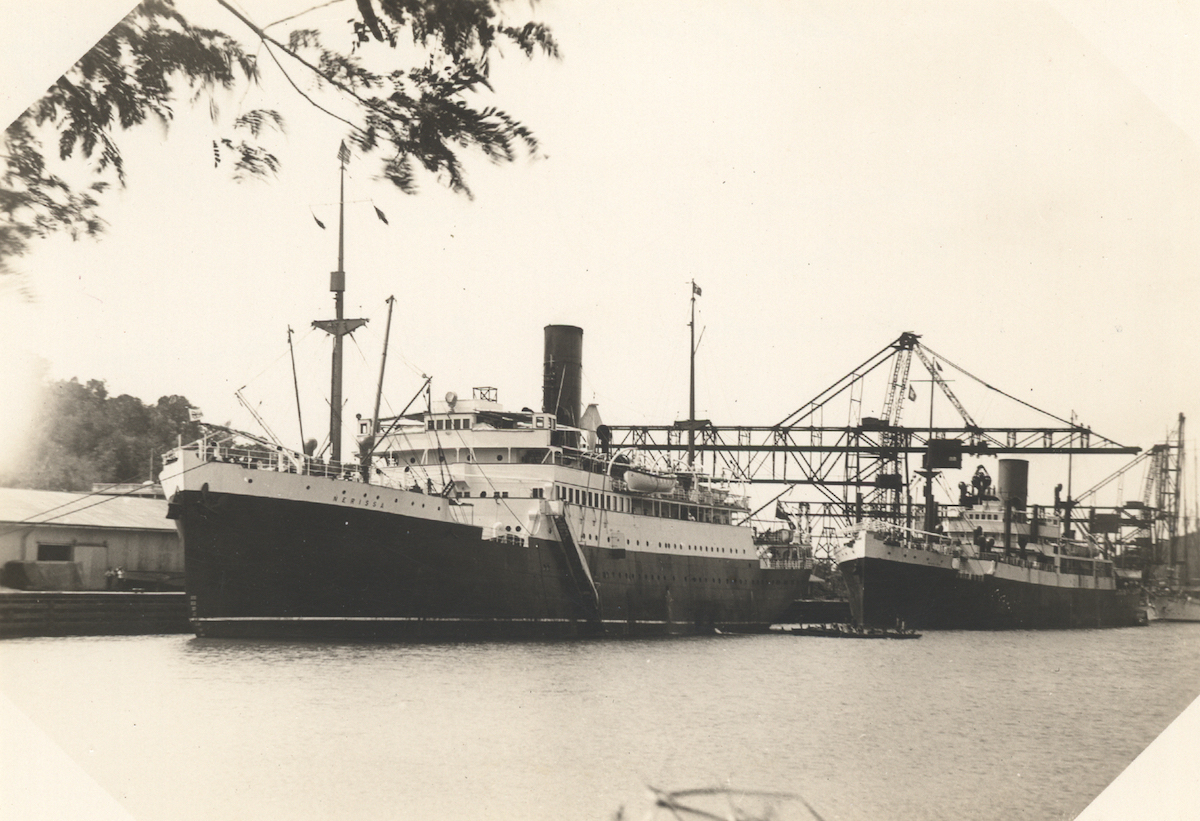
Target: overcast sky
(1019, 183)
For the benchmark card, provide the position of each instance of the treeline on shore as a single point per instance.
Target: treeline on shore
(81, 436)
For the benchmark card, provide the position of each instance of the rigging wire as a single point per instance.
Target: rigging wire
(965, 372)
(30, 521)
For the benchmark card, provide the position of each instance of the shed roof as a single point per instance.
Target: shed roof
(21, 506)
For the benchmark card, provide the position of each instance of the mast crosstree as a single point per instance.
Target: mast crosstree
(339, 326)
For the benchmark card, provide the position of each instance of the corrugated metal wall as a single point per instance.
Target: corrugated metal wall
(96, 549)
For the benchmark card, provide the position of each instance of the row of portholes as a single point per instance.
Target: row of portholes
(638, 576)
(695, 579)
(670, 546)
(658, 578)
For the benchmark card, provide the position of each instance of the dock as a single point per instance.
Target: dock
(59, 613)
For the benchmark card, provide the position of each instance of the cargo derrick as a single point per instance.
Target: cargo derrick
(859, 469)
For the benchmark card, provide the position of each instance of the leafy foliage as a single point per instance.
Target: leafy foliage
(84, 436)
(130, 76)
(415, 117)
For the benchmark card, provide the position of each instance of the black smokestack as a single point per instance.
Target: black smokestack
(1013, 482)
(562, 386)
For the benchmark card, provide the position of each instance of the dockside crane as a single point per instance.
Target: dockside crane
(859, 469)
(1143, 532)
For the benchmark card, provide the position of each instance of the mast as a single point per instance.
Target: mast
(296, 385)
(338, 327)
(387, 332)
(1177, 529)
(691, 451)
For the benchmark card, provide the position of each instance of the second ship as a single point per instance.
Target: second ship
(989, 563)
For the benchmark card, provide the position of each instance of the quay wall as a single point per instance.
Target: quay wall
(56, 613)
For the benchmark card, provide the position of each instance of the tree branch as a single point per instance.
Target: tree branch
(266, 38)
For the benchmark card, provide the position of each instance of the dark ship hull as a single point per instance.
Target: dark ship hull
(988, 564)
(277, 568)
(885, 593)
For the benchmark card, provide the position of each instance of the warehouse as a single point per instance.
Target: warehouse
(117, 539)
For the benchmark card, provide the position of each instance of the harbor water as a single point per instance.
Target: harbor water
(956, 725)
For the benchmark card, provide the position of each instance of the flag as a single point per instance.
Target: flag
(344, 153)
(381, 216)
(912, 394)
(780, 513)
(696, 289)
(937, 364)
(318, 222)
(194, 414)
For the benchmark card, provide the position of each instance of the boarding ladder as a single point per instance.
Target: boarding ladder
(582, 586)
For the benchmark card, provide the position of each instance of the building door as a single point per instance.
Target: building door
(93, 561)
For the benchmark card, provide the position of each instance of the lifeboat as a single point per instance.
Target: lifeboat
(643, 481)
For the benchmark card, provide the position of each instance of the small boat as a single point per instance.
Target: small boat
(853, 631)
(639, 480)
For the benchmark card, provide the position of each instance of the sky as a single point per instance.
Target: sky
(1019, 183)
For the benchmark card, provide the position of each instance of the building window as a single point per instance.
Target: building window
(54, 553)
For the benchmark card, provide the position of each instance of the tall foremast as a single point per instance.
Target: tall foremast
(339, 326)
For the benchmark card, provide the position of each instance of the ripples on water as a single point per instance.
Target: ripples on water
(955, 726)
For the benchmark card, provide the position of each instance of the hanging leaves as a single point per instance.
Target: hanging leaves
(419, 118)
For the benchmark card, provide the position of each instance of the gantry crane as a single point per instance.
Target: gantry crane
(860, 469)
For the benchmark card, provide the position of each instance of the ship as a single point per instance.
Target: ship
(470, 520)
(991, 562)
